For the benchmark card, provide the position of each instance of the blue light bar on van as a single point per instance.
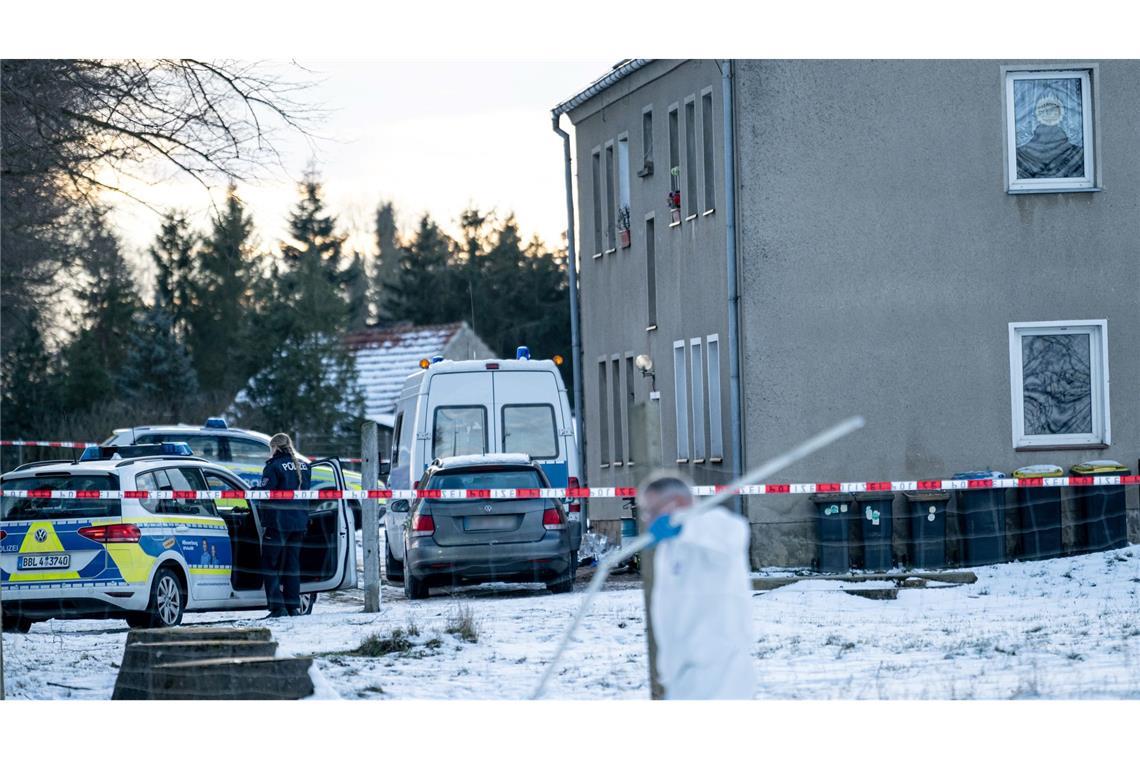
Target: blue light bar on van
(169, 449)
(218, 423)
(522, 352)
(436, 359)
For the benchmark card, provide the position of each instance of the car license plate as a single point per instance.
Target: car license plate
(44, 561)
(490, 522)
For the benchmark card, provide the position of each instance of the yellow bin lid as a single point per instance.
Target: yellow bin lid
(1099, 467)
(1038, 471)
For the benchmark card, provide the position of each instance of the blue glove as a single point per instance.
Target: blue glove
(663, 529)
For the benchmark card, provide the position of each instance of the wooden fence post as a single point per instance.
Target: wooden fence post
(369, 515)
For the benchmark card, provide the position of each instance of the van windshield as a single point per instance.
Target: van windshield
(24, 508)
(523, 477)
(529, 429)
(459, 431)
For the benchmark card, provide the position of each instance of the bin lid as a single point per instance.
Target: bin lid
(875, 496)
(1098, 467)
(831, 498)
(978, 475)
(930, 495)
(1038, 471)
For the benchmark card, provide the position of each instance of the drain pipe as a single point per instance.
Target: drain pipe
(572, 269)
(733, 288)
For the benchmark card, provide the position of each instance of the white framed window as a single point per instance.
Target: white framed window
(1059, 383)
(616, 394)
(1049, 130)
(691, 156)
(716, 426)
(603, 414)
(697, 367)
(611, 196)
(707, 143)
(596, 179)
(681, 395)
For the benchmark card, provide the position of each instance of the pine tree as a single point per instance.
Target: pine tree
(108, 302)
(356, 285)
(173, 253)
(223, 340)
(158, 366)
(308, 383)
(425, 290)
(388, 259)
(30, 388)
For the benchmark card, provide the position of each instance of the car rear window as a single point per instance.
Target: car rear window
(519, 477)
(205, 446)
(24, 508)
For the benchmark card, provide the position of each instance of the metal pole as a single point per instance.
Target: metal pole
(735, 421)
(369, 514)
(575, 337)
(645, 419)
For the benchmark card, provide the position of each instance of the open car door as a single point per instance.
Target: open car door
(328, 553)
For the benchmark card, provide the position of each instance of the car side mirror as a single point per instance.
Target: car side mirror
(399, 505)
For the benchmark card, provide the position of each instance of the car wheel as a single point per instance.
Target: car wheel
(16, 624)
(393, 568)
(414, 588)
(566, 582)
(167, 600)
(308, 601)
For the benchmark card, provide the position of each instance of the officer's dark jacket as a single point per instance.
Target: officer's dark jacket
(280, 475)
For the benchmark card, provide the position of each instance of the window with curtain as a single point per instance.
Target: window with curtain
(1049, 120)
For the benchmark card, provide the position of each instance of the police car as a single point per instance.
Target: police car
(150, 559)
(242, 451)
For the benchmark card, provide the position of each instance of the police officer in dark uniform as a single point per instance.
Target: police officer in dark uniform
(284, 523)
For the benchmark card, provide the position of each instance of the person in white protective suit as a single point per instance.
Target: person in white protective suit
(701, 604)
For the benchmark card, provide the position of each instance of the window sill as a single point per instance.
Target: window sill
(699, 461)
(611, 250)
(604, 465)
(629, 464)
(709, 212)
(716, 460)
(616, 464)
(690, 217)
(675, 224)
(651, 328)
(683, 461)
(597, 255)
(1061, 446)
(1047, 190)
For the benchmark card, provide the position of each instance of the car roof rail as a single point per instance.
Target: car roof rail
(159, 458)
(26, 465)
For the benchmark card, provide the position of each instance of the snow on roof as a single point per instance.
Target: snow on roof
(386, 356)
(474, 460)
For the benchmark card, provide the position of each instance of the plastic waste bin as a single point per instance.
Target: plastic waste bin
(1101, 508)
(982, 512)
(927, 516)
(1039, 508)
(834, 518)
(874, 509)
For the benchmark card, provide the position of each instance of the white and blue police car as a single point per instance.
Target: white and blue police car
(66, 552)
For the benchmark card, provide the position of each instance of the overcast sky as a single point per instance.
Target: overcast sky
(430, 137)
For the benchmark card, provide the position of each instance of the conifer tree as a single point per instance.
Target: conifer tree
(157, 365)
(173, 253)
(425, 290)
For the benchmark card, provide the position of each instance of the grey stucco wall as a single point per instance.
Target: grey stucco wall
(691, 285)
(882, 260)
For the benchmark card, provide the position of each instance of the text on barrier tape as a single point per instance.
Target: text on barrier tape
(485, 494)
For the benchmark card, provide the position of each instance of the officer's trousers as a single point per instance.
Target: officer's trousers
(281, 566)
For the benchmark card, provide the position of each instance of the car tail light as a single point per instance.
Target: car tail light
(492, 365)
(552, 519)
(422, 525)
(118, 533)
(573, 504)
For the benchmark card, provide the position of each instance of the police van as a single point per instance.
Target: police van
(149, 559)
(474, 407)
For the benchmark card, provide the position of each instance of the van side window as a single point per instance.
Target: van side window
(458, 431)
(396, 439)
(530, 429)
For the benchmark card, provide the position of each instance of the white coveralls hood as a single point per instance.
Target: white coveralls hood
(702, 609)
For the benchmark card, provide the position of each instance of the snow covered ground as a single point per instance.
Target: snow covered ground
(1065, 628)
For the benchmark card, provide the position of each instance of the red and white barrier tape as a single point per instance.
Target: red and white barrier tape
(51, 444)
(892, 486)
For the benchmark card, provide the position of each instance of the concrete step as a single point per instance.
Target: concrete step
(139, 660)
(199, 632)
(234, 678)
